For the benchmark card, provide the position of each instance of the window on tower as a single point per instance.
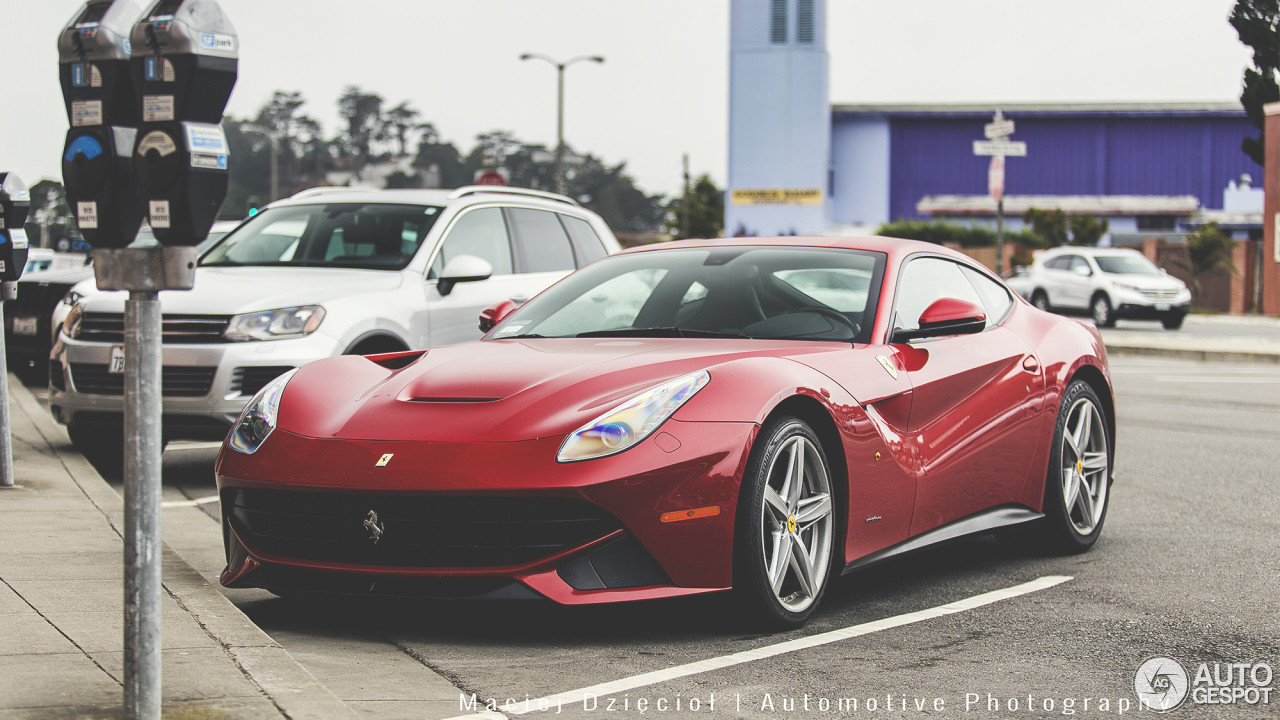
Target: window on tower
(778, 23)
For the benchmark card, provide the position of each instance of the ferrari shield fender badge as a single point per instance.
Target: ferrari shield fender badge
(374, 527)
(889, 366)
(382, 461)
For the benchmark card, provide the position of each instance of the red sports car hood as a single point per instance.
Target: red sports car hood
(499, 390)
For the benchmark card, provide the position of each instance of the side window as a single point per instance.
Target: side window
(924, 281)
(1078, 262)
(586, 243)
(994, 296)
(482, 233)
(543, 241)
(1062, 262)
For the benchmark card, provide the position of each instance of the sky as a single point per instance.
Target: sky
(662, 90)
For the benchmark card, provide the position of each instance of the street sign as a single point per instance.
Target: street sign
(998, 129)
(995, 177)
(1016, 148)
(491, 176)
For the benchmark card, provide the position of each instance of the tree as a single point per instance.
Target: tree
(1087, 230)
(1048, 225)
(1257, 23)
(706, 211)
(365, 125)
(1208, 249)
(402, 120)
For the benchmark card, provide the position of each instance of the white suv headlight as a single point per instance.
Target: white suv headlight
(274, 324)
(632, 421)
(71, 323)
(258, 418)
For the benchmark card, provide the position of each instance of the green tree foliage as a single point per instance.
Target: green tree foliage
(945, 233)
(706, 211)
(1208, 249)
(362, 113)
(1050, 226)
(1087, 230)
(1257, 22)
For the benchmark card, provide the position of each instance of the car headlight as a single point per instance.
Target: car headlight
(258, 418)
(72, 298)
(1130, 288)
(71, 324)
(632, 421)
(274, 324)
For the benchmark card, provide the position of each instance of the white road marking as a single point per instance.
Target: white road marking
(1215, 379)
(190, 503)
(768, 651)
(184, 445)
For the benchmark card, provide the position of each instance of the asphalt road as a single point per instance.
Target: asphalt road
(1186, 568)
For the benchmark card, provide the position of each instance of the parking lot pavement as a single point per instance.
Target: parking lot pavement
(1185, 569)
(61, 616)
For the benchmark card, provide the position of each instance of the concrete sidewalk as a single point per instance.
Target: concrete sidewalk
(1122, 342)
(61, 588)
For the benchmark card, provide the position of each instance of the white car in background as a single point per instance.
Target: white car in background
(1106, 283)
(330, 271)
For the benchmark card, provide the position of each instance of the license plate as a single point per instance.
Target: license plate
(116, 365)
(1162, 306)
(24, 326)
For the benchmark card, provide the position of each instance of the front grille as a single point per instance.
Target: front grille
(418, 531)
(175, 380)
(56, 378)
(247, 381)
(175, 329)
(1159, 294)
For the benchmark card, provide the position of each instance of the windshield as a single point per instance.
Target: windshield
(753, 292)
(355, 235)
(1126, 265)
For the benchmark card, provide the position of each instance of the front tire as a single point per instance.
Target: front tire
(1100, 308)
(785, 532)
(1078, 486)
(1040, 299)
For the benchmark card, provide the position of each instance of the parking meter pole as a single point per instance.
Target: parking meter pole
(1000, 236)
(6, 439)
(142, 578)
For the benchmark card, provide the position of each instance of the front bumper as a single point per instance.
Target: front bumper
(1151, 311)
(206, 386)
(630, 554)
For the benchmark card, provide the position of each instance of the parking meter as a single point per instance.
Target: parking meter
(15, 203)
(184, 66)
(93, 55)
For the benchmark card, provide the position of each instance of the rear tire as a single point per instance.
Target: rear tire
(1100, 309)
(786, 527)
(1077, 489)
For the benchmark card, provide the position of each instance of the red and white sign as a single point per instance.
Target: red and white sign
(491, 176)
(995, 177)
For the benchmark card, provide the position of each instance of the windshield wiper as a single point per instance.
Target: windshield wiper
(518, 337)
(659, 332)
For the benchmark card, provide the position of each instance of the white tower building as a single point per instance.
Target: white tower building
(779, 118)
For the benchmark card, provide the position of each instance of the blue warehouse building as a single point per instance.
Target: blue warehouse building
(799, 164)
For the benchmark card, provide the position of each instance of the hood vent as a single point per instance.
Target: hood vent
(453, 400)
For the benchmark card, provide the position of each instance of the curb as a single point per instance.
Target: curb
(288, 685)
(1122, 350)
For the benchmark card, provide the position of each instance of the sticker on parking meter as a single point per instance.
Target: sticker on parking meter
(156, 108)
(87, 215)
(19, 237)
(95, 76)
(159, 213)
(206, 139)
(169, 75)
(158, 141)
(86, 112)
(210, 162)
(78, 78)
(218, 41)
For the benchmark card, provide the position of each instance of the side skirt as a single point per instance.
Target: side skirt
(983, 522)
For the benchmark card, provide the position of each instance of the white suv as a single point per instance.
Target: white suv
(1108, 283)
(329, 271)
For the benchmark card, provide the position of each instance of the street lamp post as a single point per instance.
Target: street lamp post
(560, 66)
(275, 152)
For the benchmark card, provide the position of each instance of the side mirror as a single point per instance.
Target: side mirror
(1082, 270)
(496, 313)
(946, 316)
(464, 268)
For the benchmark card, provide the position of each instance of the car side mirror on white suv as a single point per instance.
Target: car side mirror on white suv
(1082, 270)
(463, 268)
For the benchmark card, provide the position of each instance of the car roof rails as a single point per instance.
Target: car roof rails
(329, 190)
(505, 190)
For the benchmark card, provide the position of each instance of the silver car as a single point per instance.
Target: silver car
(329, 271)
(1106, 283)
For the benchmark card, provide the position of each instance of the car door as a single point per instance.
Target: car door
(543, 251)
(1078, 281)
(971, 424)
(1054, 279)
(482, 232)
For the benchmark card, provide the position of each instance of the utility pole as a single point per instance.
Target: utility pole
(560, 67)
(685, 205)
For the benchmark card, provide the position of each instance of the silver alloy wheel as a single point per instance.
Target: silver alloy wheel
(796, 523)
(1085, 466)
(1101, 311)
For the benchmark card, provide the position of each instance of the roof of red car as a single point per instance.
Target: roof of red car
(894, 247)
